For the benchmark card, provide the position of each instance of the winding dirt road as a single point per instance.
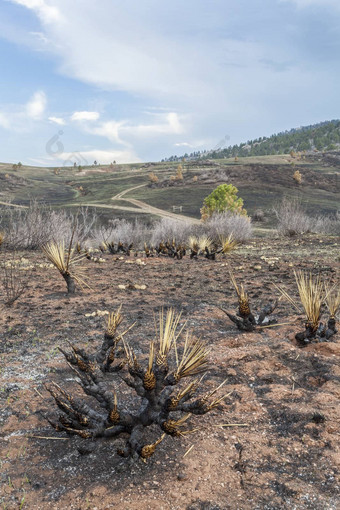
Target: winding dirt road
(141, 207)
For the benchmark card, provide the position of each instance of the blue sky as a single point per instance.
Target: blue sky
(140, 80)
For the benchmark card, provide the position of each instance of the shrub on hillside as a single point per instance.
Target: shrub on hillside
(31, 228)
(223, 198)
(327, 224)
(167, 229)
(123, 231)
(228, 224)
(294, 220)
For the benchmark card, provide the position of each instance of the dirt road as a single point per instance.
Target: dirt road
(141, 207)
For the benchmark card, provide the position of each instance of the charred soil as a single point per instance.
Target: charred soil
(274, 442)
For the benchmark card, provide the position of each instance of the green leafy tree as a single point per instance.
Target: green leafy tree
(223, 198)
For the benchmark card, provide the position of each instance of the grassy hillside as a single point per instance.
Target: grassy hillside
(324, 136)
(126, 190)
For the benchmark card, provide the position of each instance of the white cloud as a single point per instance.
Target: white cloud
(170, 124)
(35, 108)
(85, 116)
(123, 132)
(47, 13)
(109, 130)
(22, 118)
(57, 120)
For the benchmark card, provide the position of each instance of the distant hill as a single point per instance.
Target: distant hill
(317, 137)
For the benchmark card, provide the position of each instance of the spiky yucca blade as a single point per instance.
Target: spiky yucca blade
(204, 242)
(168, 333)
(194, 359)
(2, 237)
(332, 300)
(173, 427)
(216, 402)
(114, 319)
(289, 298)
(228, 243)
(193, 243)
(311, 296)
(185, 392)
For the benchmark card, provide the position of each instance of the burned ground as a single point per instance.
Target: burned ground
(273, 444)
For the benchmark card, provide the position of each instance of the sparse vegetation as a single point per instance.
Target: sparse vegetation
(132, 395)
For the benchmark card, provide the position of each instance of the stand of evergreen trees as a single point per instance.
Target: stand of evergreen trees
(321, 136)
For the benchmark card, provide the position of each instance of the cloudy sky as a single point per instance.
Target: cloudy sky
(140, 80)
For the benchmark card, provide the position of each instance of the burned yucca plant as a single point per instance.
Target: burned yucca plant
(163, 401)
(245, 320)
(228, 244)
(313, 293)
(171, 249)
(67, 262)
(332, 300)
(202, 245)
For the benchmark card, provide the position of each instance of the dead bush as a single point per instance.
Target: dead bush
(32, 227)
(292, 218)
(121, 231)
(228, 224)
(167, 229)
(13, 279)
(327, 224)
